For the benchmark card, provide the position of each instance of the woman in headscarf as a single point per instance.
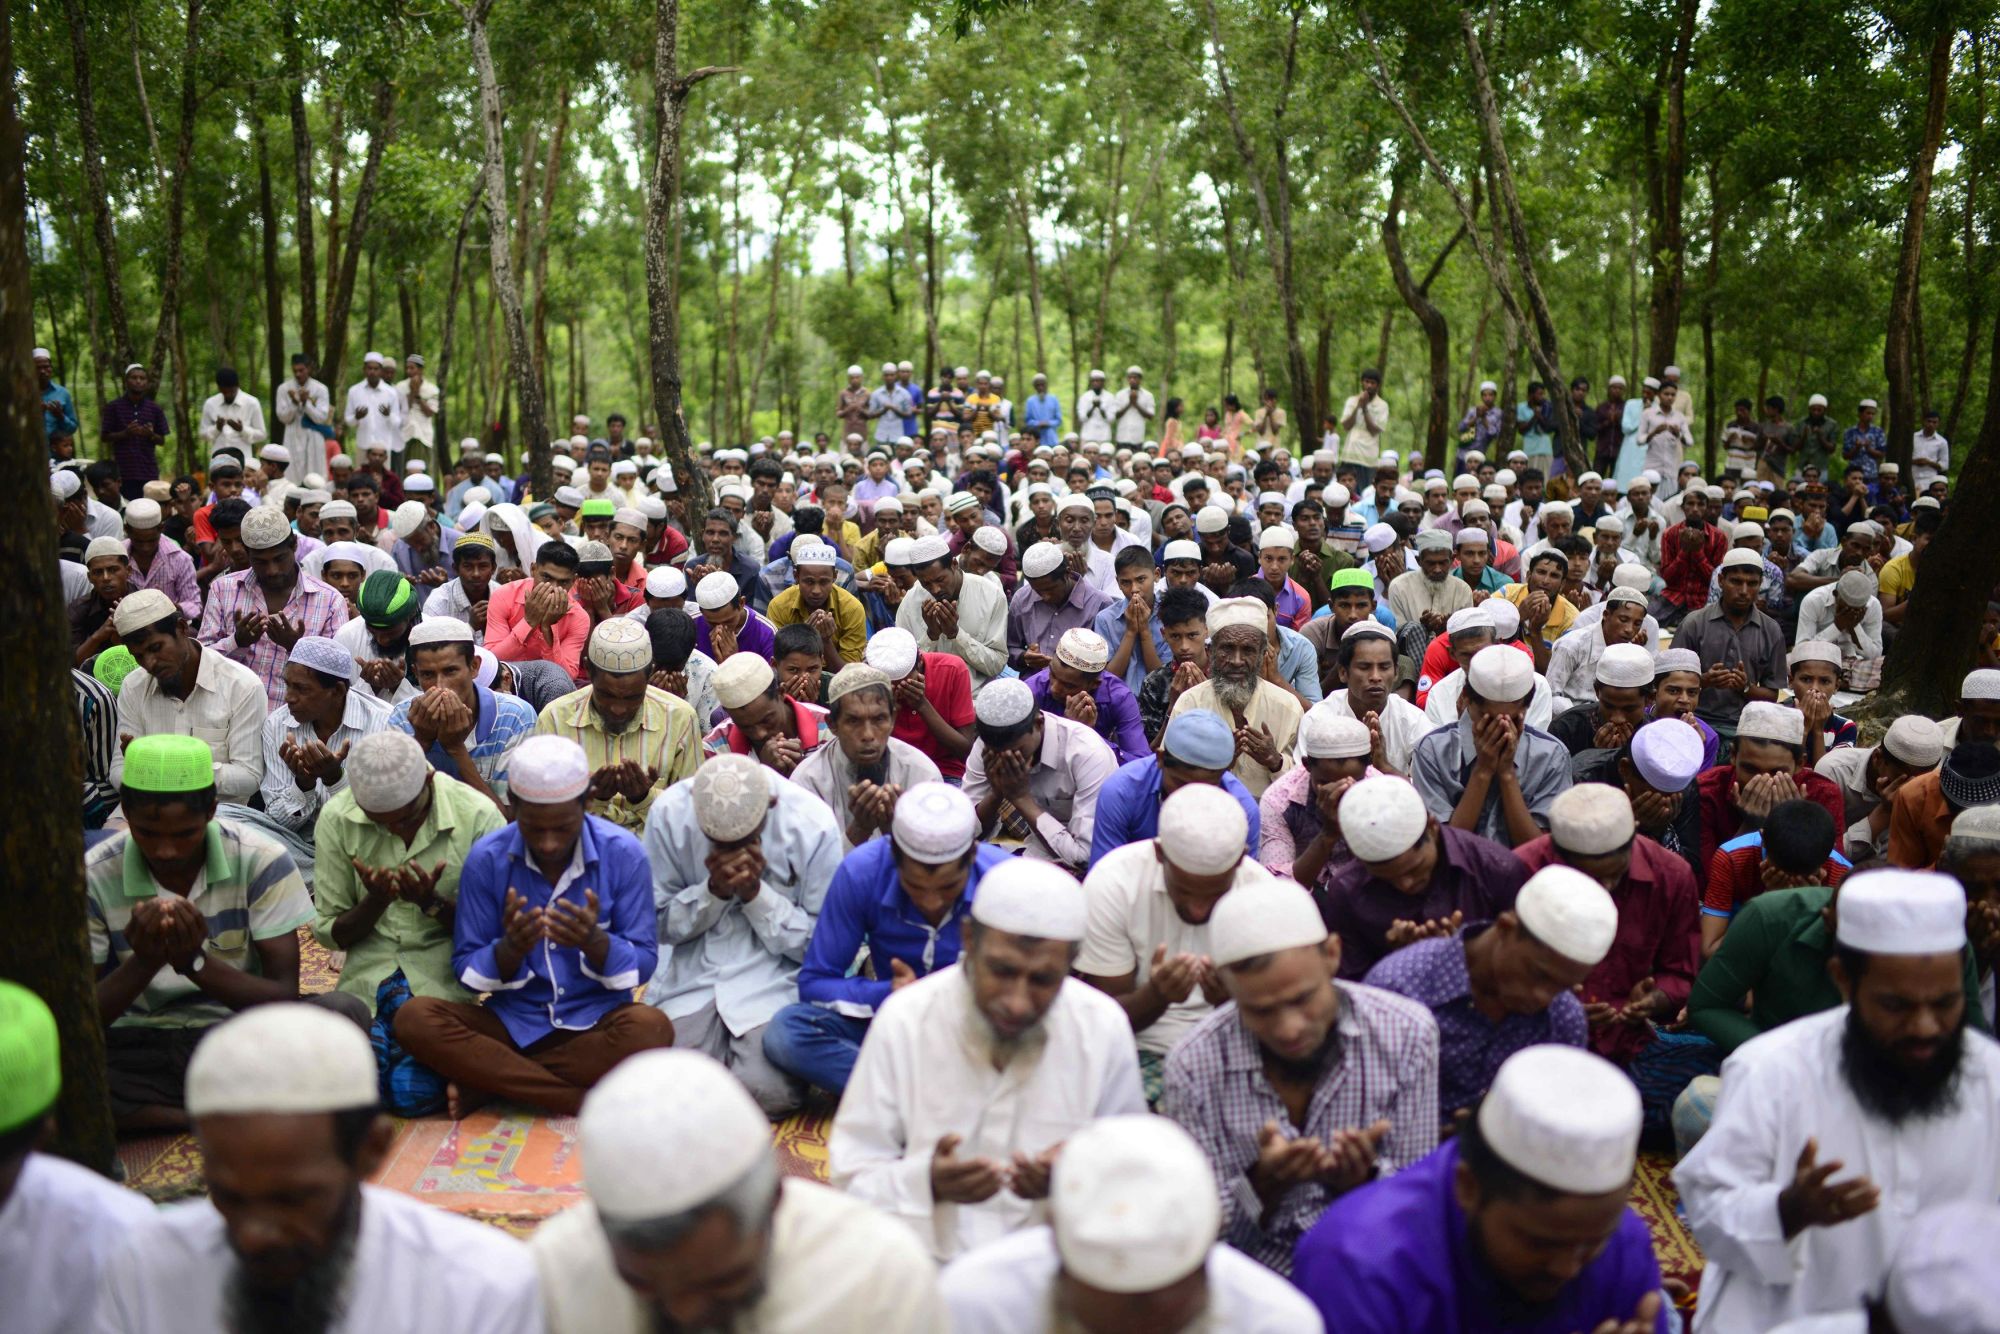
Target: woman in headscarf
(514, 537)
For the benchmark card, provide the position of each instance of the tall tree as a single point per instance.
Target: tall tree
(1666, 182)
(100, 195)
(381, 131)
(1896, 369)
(302, 185)
(1416, 295)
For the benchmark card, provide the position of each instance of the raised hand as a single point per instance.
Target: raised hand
(1349, 1160)
(956, 1180)
(250, 627)
(1174, 979)
(573, 925)
(900, 975)
(1258, 743)
(283, 630)
(782, 753)
(1081, 708)
(1283, 1163)
(674, 683)
(452, 719)
(1814, 1200)
(521, 927)
(1028, 1177)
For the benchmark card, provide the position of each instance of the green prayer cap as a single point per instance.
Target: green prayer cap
(169, 763)
(113, 666)
(1350, 578)
(537, 513)
(387, 599)
(30, 1058)
(597, 509)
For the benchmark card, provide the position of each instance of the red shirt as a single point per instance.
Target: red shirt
(1438, 664)
(671, 544)
(511, 639)
(803, 715)
(1722, 821)
(1686, 574)
(948, 686)
(1736, 876)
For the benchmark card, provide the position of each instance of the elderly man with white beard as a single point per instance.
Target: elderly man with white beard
(1264, 717)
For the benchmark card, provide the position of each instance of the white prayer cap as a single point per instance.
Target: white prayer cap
(105, 546)
(1676, 660)
(275, 454)
(440, 630)
(325, 656)
(545, 770)
(730, 794)
(286, 1058)
(1433, 539)
(893, 652)
(1764, 721)
(417, 483)
(1005, 701)
(1894, 911)
(1435, 483)
(1085, 650)
(741, 678)
(1740, 557)
(562, 463)
(1505, 477)
(1616, 379)
(665, 1132)
(1336, 496)
(1813, 650)
(1133, 370)
(1095, 374)
(1981, 683)
(1651, 382)
(1270, 498)
(1382, 817)
(385, 770)
(1631, 595)
(340, 461)
(1479, 509)
(569, 496)
(40, 354)
(1238, 611)
(1487, 386)
(142, 514)
(1179, 549)
(1043, 558)
(1562, 907)
(1202, 829)
(934, 823)
(1326, 735)
(1853, 589)
(1667, 753)
(265, 527)
(1631, 574)
(406, 518)
(1277, 537)
(1864, 528)
(854, 370)
(1495, 492)
(716, 590)
(1561, 507)
(1625, 665)
(1263, 917)
(1610, 523)
(899, 551)
(1563, 1117)
(924, 550)
(1465, 618)
(1816, 401)
(666, 581)
(1211, 519)
(988, 539)
(1469, 536)
(1133, 1204)
(619, 644)
(1378, 537)
(889, 505)
(1591, 819)
(1942, 1279)
(375, 357)
(1915, 740)
(807, 552)
(1506, 617)
(1024, 896)
(1501, 674)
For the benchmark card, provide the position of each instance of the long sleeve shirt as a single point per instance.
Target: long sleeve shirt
(1666, 438)
(1033, 623)
(284, 800)
(312, 407)
(312, 605)
(379, 424)
(1442, 764)
(1816, 611)
(1069, 771)
(97, 711)
(172, 572)
(982, 627)
(217, 414)
(1042, 414)
(664, 736)
(226, 708)
(1093, 415)
(511, 638)
(59, 420)
(1131, 415)
(419, 426)
(1117, 714)
(136, 460)
(1687, 572)
(889, 406)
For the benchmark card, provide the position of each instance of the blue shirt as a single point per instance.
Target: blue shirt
(1042, 414)
(1111, 625)
(59, 412)
(1128, 807)
(504, 722)
(866, 905)
(1117, 713)
(1397, 1255)
(1298, 663)
(556, 988)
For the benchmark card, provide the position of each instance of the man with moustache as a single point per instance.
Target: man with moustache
(255, 615)
(1264, 717)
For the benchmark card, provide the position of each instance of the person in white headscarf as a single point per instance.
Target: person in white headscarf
(516, 539)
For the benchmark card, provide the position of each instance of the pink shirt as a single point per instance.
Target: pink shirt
(512, 639)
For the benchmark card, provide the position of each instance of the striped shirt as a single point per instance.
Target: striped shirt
(1385, 1068)
(173, 574)
(313, 606)
(284, 800)
(248, 890)
(664, 736)
(98, 709)
(502, 722)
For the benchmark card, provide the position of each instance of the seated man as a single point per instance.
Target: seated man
(1546, 615)
(948, 613)
(1445, 1245)
(1048, 768)
(1183, 618)
(536, 619)
(1134, 1216)
(741, 862)
(1366, 670)
(1768, 770)
(1147, 939)
(1795, 848)
(1194, 748)
(1622, 683)
(1131, 625)
(298, 1137)
(256, 614)
(726, 624)
(555, 921)
(1813, 672)
(1477, 628)
(1492, 773)
(1051, 600)
(467, 731)
(933, 698)
(1301, 837)
(378, 635)
(1304, 1087)
(904, 899)
(1077, 686)
(813, 599)
(184, 688)
(191, 917)
(639, 739)
(1496, 987)
(1411, 877)
(1264, 717)
(968, 1085)
(394, 839)
(466, 596)
(762, 721)
(1847, 614)
(679, 1169)
(866, 769)
(1869, 778)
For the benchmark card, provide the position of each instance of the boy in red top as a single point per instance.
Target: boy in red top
(1768, 770)
(933, 699)
(1795, 848)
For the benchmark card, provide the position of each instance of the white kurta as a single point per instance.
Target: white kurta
(835, 1265)
(982, 627)
(925, 1072)
(374, 429)
(1403, 726)
(1009, 1288)
(414, 1268)
(1271, 708)
(419, 426)
(1132, 415)
(57, 1230)
(1093, 414)
(1779, 1090)
(314, 404)
(244, 410)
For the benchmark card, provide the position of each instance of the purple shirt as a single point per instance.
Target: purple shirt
(313, 606)
(1117, 713)
(755, 635)
(1470, 1046)
(172, 574)
(1033, 623)
(136, 461)
(1396, 1255)
(1474, 876)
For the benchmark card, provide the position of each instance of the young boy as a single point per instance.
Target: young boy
(797, 654)
(1795, 848)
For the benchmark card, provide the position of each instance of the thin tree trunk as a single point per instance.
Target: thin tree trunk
(171, 270)
(381, 129)
(336, 165)
(777, 262)
(1903, 296)
(447, 449)
(1975, 264)
(274, 288)
(1666, 183)
(302, 224)
(95, 187)
(551, 175)
(1034, 262)
(1437, 331)
(1712, 278)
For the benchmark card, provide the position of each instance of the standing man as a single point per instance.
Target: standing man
(231, 418)
(417, 403)
(373, 414)
(1363, 419)
(305, 410)
(1132, 410)
(851, 406)
(888, 406)
(1041, 415)
(59, 423)
(1930, 455)
(1094, 409)
(135, 427)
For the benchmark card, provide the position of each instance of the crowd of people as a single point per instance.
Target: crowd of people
(1210, 887)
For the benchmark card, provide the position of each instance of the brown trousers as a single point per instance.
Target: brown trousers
(469, 1046)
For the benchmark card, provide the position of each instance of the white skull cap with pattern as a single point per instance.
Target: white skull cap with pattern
(934, 823)
(1466, 618)
(1631, 595)
(629, 516)
(589, 550)
(1592, 819)
(546, 770)
(854, 676)
(924, 550)
(716, 590)
(1501, 673)
(1980, 683)
(441, 630)
(1814, 650)
(338, 509)
(1625, 665)
(1043, 558)
(405, 519)
(989, 540)
(1202, 829)
(620, 645)
(1211, 519)
(1894, 911)
(417, 483)
(1569, 911)
(1853, 589)
(1469, 536)
(1263, 917)
(817, 554)
(666, 581)
(265, 527)
(1764, 721)
(325, 656)
(1942, 1279)
(386, 770)
(140, 608)
(892, 651)
(1676, 660)
(1005, 701)
(1133, 1204)
(1382, 817)
(142, 514)
(741, 678)
(652, 507)
(1326, 735)
(1742, 558)
(1084, 650)
(1076, 500)
(287, 1058)
(666, 1132)
(1916, 741)
(1025, 896)
(1238, 611)
(730, 795)
(1565, 1118)
(1366, 627)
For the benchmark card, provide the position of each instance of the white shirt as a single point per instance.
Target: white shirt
(1361, 444)
(355, 638)
(1930, 457)
(449, 599)
(926, 1071)
(1664, 450)
(226, 708)
(1848, 766)
(1403, 726)
(1779, 1090)
(1131, 415)
(1572, 677)
(307, 446)
(835, 1265)
(1131, 916)
(827, 774)
(1594, 613)
(1816, 622)
(245, 410)
(982, 627)
(1093, 415)
(414, 1267)
(1009, 1288)
(1441, 705)
(1069, 769)
(284, 800)
(376, 429)
(57, 1230)
(419, 426)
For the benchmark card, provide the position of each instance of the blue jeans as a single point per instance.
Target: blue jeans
(813, 1043)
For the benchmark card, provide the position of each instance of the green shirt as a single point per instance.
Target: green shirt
(665, 736)
(404, 937)
(248, 890)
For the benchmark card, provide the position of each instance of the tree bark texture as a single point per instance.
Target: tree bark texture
(1666, 181)
(171, 269)
(100, 195)
(1896, 366)
(447, 448)
(302, 187)
(274, 288)
(1437, 332)
(381, 129)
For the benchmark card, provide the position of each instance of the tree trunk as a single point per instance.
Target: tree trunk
(336, 164)
(1975, 267)
(274, 288)
(302, 224)
(1437, 332)
(1666, 182)
(447, 448)
(551, 175)
(41, 842)
(1021, 216)
(1903, 296)
(1712, 278)
(776, 259)
(381, 129)
(100, 194)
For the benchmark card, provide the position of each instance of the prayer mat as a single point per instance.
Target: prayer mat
(1655, 1200)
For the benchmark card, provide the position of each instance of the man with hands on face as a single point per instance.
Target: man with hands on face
(764, 721)
(1624, 689)
(1049, 768)
(1492, 773)
(555, 922)
(814, 599)
(1767, 770)
(532, 620)
(862, 774)
(1869, 777)
(388, 607)
(467, 731)
(1078, 686)
(1301, 828)
(933, 695)
(254, 616)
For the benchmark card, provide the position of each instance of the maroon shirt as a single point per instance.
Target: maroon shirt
(1686, 575)
(1474, 876)
(1722, 821)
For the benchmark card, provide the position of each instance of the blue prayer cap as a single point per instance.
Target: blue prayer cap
(1200, 740)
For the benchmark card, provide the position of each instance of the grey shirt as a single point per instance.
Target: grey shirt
(1442, 762)
(1759, 644)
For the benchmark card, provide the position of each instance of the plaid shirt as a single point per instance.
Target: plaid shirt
(313, 606)
(664, 736)
(1216, 1090)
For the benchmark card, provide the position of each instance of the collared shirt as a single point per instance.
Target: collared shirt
(510, 638)
(284, 800)
(1290, 819)
(375, 429)
(1816, 611)
(1042, 414)
(1930, 459)
(664, 736)
(755, 635)
(1474, 877)
(1110, 624)
(1443, 764)
(358, 639)
(850, 621)
(247, 890)
(500, 723)
(414, 561)
(1441, 702)
(58, 1227)
(226, 709)
(1686, 574)
(1117, 713)
(1298, 663)
(1386, 1068)
(1847, 767)
(1033, 623)
(419, 427)
(307, 446)
(1722, 819)
(172, 573)
(1572, 674)
(312, 605)
(136, 460)
(1424, 1271)
(245, 409)
(743, 958)
(865, 906)
(1093, 414)
(1128, 807)
(893, 404)
(1363, 442)
(827, 774)
(450, 599)
(1414, 593)
(97, 713)
(1131, 414)
(1271, 709)
(556, 987)
(927, 1071)
(1562, 615)
(982, 627)
(1131, 916)
(59, 417)
(404, 937)
(1070, 770)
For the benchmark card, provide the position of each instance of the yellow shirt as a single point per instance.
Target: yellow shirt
(850, 619)
(1561, 617)
(1897, 579)
(665, 736)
